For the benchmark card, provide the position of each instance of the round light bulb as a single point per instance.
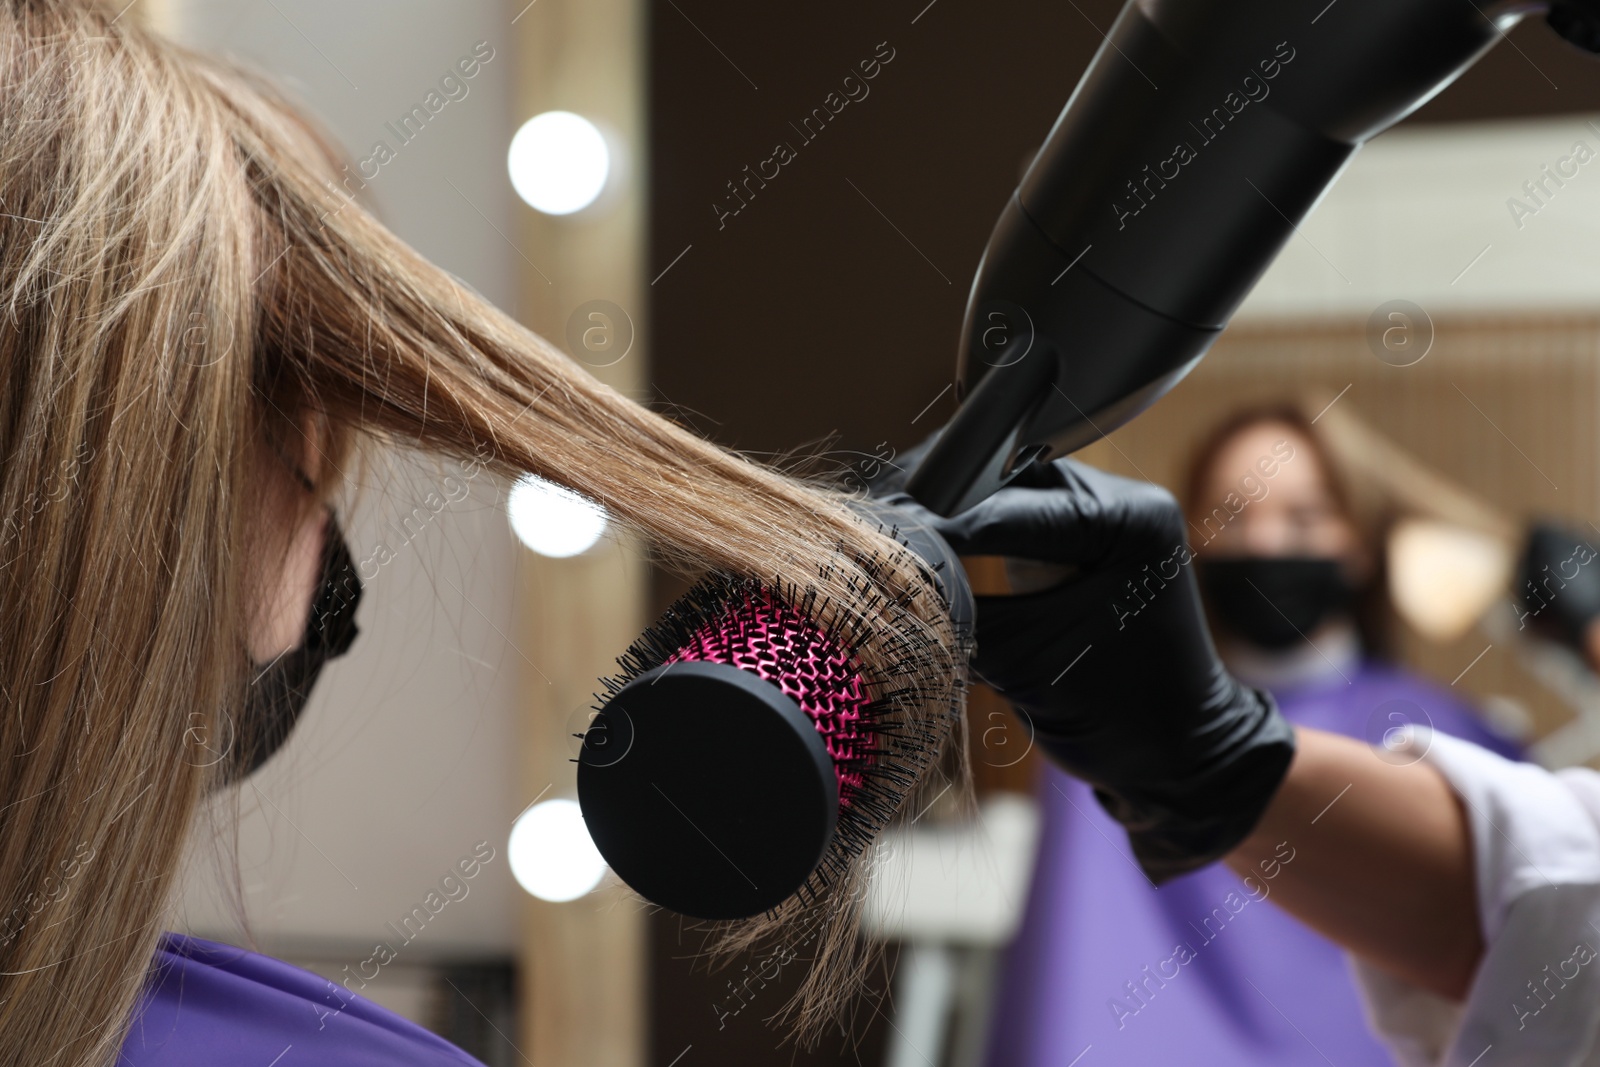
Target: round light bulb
(553, 520)
(551, 853)
(559, 162)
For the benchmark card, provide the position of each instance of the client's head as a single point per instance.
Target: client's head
(200, 334)
(1286, 550)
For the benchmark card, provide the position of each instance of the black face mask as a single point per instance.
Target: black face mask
(277, 695)
(1273, 601)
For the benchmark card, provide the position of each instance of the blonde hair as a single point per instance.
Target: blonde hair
(181, 280)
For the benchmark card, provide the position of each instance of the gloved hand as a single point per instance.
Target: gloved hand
(1115, 666)
(1559, 585)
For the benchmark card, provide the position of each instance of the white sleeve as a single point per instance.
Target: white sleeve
(1536, 997)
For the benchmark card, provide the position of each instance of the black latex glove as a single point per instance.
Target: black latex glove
(1559, 584)
(1115, 667)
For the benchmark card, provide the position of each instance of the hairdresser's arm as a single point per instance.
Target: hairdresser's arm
(1382, 861)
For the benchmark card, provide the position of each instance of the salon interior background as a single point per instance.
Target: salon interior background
(785, 297)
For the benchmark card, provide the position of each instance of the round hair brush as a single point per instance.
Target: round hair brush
(745, 754)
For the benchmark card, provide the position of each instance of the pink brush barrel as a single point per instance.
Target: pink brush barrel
(776, 643)
(713, 781)
(746, 755)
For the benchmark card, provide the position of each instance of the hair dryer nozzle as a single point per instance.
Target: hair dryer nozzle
(1052, 358)
(1199, 137)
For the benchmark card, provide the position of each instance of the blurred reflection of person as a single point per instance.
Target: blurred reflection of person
(1290, 564)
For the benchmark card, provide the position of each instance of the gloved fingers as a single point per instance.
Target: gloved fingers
(1080, 521)
(1024, 642)
(1044, 524)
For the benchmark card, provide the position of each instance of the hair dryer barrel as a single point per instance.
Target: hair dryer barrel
(1202, 133)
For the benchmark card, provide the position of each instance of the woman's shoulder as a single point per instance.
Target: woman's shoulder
(206, 1003)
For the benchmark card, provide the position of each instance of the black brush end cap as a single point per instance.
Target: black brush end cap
(708, 790)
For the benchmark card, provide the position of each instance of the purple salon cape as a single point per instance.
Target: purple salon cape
(213, 1005)
(1202, 971)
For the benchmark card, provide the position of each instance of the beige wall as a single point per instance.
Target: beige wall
(1417, 205)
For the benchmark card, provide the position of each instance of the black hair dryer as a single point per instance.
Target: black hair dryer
(1201, 135)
